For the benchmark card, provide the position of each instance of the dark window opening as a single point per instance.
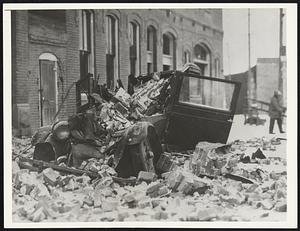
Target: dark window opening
(111, 50)
(149, 68)
(149, 39)
(151, 48)
(166, 45)
(166, 67)
(111, 33)
(86, 44)
(133, 40)
(134, 52)
(169, 51)
(200, 52)
(202, 57)
(84, 67)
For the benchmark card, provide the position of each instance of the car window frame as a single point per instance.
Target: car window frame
(234, 99)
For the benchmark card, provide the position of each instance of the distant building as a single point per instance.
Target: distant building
(266, 81)
(267, 74)
(242, 78)
(52, 49)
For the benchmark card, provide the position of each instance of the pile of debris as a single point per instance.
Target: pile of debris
(21, 146)
(107, 163)
(97, 130)
(149, 97)
(211, 184)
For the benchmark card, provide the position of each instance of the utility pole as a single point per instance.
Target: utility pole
(280, 80)
(249, 42)
(250, 82)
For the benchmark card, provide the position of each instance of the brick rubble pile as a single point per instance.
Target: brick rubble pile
(191, 188)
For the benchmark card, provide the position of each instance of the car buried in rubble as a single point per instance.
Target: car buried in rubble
(195, 108)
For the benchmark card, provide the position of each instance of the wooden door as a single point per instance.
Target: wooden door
(47, 91)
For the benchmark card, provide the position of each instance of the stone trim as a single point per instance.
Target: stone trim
(46, 40)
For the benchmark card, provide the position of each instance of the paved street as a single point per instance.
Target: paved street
(246, 132)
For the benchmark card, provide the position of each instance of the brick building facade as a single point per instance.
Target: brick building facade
(53, 49)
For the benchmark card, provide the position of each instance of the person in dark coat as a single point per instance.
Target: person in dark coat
(276, 111)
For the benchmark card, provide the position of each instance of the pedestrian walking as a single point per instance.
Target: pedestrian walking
(276, 111)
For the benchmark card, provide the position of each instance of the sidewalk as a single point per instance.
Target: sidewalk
(242, 131)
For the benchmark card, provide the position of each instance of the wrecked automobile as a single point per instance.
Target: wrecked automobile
(170, 110)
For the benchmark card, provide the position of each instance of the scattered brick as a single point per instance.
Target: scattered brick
(50, 176)
(154, 187)
(281, 206)
(109, 204)
(146, 176)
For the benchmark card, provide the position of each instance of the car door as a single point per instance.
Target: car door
(202, 109)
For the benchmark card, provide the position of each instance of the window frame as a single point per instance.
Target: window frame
(169, 59)
(112, 45)
(87, 39)
(186, 57)
(134, 35)
(234, 95)
(204, 62)
(151, 49)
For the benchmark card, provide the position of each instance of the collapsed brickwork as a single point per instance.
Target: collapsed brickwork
(255, 191)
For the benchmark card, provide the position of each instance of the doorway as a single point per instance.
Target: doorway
(48, 88)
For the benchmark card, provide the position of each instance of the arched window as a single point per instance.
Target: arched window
(151, 49)
(86, 43)
(112, 50)
(169, 52)
(186, 57)
(134, 49)
(202, 58)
